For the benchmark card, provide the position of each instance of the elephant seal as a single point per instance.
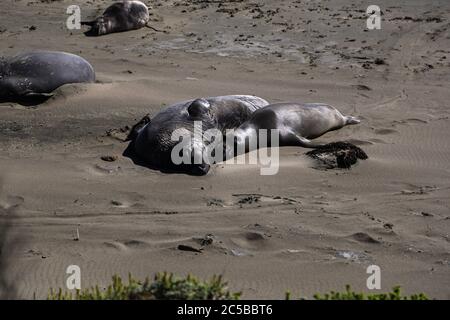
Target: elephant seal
(297, 124)
(151, 139)
(119, 17)
(34, 75)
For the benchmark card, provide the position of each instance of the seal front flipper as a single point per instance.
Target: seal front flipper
(38, 95)
(138, 127)
(32, 98)
(88, 23)
(294, 139)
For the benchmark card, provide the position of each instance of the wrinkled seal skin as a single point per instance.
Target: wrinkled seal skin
(34, 75)
(151, 139)
(297, 124)
(119, 17)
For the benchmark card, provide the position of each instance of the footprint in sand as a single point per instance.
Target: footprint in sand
(120, 204)
(11, 202)
(364, 238)
(250, 241)
(127, 245)
(357, 142)
(384, 131)
(249, 200)
(410, 121)
(352, 256)
(259, 199)
(412, 189)
(102, 169)
(375, 140)
(116, 245)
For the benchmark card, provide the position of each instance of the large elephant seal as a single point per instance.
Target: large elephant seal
(34, 75)
(152, 142)
(296, 123)
(119, 17)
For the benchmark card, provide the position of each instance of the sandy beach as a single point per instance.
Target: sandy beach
(303, 229)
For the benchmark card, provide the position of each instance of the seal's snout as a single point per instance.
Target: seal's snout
(200, 169)
(351, 120)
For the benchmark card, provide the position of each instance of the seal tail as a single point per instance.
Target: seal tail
(349, 120)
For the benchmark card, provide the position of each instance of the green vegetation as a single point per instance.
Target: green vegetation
(166, 286)
(348, 294)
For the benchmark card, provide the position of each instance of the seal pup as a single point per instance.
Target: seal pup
(119, 17)
(32, 76)
(296, 123)
(151, 139)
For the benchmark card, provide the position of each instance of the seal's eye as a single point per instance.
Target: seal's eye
(198, 107)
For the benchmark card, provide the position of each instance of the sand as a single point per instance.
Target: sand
(303, 230)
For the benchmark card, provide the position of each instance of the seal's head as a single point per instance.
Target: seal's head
(174, 141)
(99, 26)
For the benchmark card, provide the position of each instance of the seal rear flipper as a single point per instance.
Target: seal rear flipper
(351, 120)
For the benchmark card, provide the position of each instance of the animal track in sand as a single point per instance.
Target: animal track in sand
(255, 198)
(360, 142)
(250, 241)
(250, 200)
(364, 237)
(11, 202)
(126, 245)
(102, 169)
(120, 204)
(383, 131)
(415, 190)
(352, 256)
(410, 121)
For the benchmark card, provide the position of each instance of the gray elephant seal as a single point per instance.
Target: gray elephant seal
(119, 17)
(34, 75)
(151, 144)
(297, 124)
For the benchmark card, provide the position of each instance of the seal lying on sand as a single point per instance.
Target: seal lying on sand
(152, 142)
(32, 76)
(297, 124)
(119, 17)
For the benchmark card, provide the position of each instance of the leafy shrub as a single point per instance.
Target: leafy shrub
(348, 294)
(165, 286)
